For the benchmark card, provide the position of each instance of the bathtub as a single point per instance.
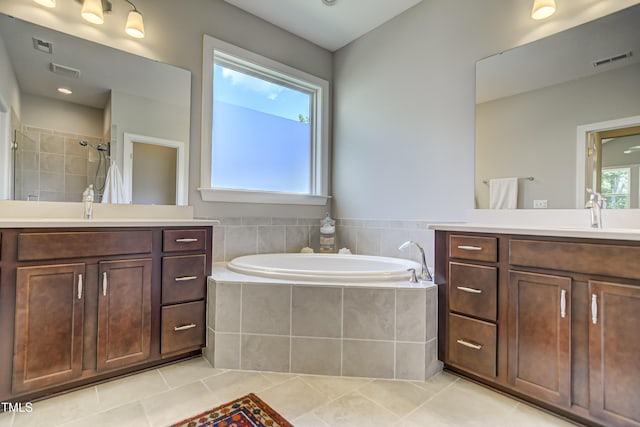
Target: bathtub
(335, 268)
(322, 314)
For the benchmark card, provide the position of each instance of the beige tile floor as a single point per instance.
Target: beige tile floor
(169, 394)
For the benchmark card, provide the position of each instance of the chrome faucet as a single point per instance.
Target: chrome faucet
(424, 274)
(595, 204)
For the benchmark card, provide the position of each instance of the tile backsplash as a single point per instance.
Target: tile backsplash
(237, 236)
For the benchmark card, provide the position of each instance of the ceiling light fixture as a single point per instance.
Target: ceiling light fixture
(46, 3)
(329, 2)
(543, 9)
(94, 11)
(135, 24)
(65, 90)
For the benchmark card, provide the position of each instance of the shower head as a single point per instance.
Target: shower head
(83, 143)
(100, 147)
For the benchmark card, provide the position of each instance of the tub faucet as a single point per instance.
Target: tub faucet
(424, 274)
(595, 204)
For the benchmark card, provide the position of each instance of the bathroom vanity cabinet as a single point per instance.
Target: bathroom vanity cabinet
(552, 320)
(83, 305)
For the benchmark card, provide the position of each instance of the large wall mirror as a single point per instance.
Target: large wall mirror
(125, 109)
(531, 102)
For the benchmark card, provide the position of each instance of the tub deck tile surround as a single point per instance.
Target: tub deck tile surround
(323, 330)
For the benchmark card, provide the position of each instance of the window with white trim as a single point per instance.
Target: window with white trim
(264, 129)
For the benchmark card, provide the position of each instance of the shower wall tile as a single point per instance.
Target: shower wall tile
(75, 184)
(51, 182)
(51, 163)
(72, 197)
(52, 144)
(75, 165)
(51, 196)
(30, 160)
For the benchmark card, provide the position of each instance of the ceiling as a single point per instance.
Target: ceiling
(330, 27)
(102, 69)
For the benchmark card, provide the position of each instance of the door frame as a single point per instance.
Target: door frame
(182, 164)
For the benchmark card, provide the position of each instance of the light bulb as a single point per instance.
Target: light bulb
(92, 11)
(46, 3)
(543, 9)
(135, 25)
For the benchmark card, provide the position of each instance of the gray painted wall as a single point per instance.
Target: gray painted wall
(404, 98)
(534, 134)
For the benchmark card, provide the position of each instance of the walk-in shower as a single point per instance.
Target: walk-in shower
(104, 151)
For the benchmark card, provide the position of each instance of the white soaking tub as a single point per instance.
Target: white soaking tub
(332, 268)
(322, 314)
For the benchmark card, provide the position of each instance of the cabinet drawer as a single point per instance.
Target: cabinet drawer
(77, 244)
(182, 327)
(184, 240)
(591, 258)
(473, 248)
(472, 290)
(183, 278)
(472, 345)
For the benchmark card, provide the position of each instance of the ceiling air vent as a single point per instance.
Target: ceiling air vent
(611, 59)
(62, 70)
(42, 45)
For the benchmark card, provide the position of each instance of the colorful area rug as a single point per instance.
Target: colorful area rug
(247, 411)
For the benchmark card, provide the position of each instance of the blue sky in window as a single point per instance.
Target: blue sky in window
(243, 90)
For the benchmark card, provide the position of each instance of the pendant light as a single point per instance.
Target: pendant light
(46, 3)
(543, 9)
(92, 11)
(135, 24)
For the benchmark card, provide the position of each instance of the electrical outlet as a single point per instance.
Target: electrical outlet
(539, 204)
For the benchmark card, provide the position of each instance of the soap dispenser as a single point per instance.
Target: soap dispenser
(327, 235)
(87, 200)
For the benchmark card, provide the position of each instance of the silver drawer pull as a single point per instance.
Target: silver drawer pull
(104, 284)
(594, 309)
(186, 240)
(185, 327)
(79, 286)
(185, 278)
(470, 290)
(468, 344)
(469, 248)
(563, 303)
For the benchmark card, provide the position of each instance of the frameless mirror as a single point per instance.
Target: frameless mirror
(531, 100)
(122, 108)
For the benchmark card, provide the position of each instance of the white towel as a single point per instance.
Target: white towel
(113, 186)
(503, 193)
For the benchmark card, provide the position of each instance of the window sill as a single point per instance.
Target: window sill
(261, 197)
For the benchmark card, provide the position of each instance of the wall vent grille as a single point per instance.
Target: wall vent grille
(42, 45)
(63, 70)
(611, 59)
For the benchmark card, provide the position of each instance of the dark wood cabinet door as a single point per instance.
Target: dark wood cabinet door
(539, 336)
(614, 353)
(124, 313)
(48, 326)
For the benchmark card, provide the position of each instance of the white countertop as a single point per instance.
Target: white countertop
(101, 222)
(551, 231)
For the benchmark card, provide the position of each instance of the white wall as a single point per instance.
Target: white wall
(404, 100)
(534, 134)
(174, 31)
(9, 99)
(49, 113)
